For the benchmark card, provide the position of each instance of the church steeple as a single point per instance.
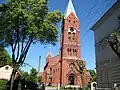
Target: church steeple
(70, 39)
(70, 8)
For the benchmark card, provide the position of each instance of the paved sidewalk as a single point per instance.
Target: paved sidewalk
(51, 88)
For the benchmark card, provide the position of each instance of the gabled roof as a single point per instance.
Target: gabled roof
(49, 55)
(70, 8)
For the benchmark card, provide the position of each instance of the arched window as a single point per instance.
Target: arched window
(74, 21)
(68, 51)
(69, 35)
(73, 36)
(75, 52)
(50, 70)
(69, 21)
(71, 29)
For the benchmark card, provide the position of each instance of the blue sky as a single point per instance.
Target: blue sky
(88, 11)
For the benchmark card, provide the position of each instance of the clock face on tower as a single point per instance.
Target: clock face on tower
(72, 30)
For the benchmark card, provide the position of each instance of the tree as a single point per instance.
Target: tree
(3, 85)
(114, 42)
(79, 66)
(25, 75)
(39, 78)
(93, 75)
(27, 22)
(30, 78)
(33, 75)
(5, 58)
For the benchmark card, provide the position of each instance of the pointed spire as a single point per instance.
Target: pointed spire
(70, 8)
(49, 55)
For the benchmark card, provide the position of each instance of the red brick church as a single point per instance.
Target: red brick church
(57, 68)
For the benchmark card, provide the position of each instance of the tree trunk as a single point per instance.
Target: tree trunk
(83, 83)
(12, 81)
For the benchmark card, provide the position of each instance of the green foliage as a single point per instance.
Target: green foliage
(32, 76)
(5, 58)
(93, 74)
(23, 22)
(114, 42)
(3, 85)
(25, 75)
(39, 78)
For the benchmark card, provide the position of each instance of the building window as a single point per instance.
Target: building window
(71, 29)
(74, 52)
(73, 36)
(50, 70)
(73, 39)
(69, 35)
(6, 68)
(74, 22)
(69, 38)
(70, 52)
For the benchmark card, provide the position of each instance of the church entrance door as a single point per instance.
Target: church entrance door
(71, 80)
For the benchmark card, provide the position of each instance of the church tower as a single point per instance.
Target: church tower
(70, 36)
(70, 46)
(58, 68)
